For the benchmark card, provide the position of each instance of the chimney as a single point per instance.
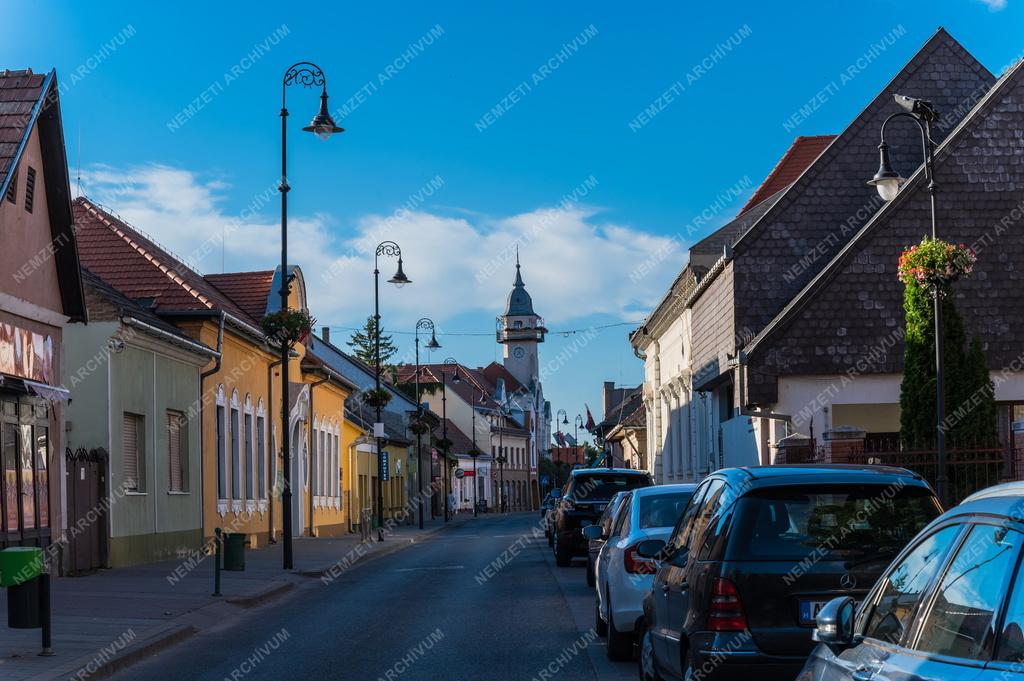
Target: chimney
(325, 333)
(607, 393)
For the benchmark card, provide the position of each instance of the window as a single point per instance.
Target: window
(222, 478)
(962, 616)
(236, 463)
(12, 188)
(1011, 641)
(131, 437)
(903, 586)
(261, 457)
(30, 188)
(678, 539)
(662, 510)
(336, 471)
(177, 452)
(250, 470)
(620, 516)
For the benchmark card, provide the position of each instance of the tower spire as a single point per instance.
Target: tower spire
(519, 277)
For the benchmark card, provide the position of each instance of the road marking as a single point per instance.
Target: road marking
(439, 567)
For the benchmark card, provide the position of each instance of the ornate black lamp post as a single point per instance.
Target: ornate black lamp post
(576, 425)
(390, 249)
(444, 426)
(432, 344)
(306, 74)
(887, 181)
(498, 417)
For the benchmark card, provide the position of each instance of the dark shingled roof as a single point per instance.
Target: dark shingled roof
(853, 310)
(20, 93)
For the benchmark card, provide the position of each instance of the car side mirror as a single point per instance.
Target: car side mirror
(651, 548)
(593, 532)
(835, 622)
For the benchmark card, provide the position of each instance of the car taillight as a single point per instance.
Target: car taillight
(726, 611)
(636, 564)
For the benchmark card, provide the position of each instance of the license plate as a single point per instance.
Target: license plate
(809, 611)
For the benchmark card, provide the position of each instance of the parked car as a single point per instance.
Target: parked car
(584, 498)
(758, 552)
(596, 538)
(624, 578)
(950, 607)
(549, 503)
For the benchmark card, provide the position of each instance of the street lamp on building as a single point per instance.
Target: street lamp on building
(421, 325)
(888, 182)
(306, 74)
(389, 249)
(448, 362)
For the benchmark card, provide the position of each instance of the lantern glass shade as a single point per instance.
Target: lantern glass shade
(322, 124)
(888, 187)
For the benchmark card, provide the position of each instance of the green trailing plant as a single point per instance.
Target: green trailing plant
(444, 443)
(933, 266)
(289, 326)
(419, 426)
(377, 397)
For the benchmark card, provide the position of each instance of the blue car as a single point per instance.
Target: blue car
(950, 607)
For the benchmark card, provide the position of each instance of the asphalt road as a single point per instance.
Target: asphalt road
(482, 601)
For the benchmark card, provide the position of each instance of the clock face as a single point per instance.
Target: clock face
(518, 352)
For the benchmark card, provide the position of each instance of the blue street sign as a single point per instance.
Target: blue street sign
(385, 466)
(545, 479)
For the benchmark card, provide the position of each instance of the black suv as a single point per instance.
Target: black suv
(758, 552)
(584, 498)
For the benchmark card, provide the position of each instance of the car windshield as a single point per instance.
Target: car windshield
(662, 510)
(603, 486)
(856, 524)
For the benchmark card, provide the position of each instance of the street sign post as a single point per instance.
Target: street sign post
(460, 473)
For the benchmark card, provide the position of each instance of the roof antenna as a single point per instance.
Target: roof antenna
(79, 171)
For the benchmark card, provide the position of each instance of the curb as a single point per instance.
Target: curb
(170, 636)
(268, 594)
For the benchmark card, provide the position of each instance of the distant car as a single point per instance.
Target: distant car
(755, 556)
(623, 577)
(550, 501)
(584, 499)
(950, 607)
(604, 526)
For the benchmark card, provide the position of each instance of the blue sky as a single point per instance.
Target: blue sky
(470, 128)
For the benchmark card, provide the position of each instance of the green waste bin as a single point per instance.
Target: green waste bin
(20, 567)
(234, 551)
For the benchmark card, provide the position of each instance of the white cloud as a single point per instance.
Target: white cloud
(994, 5)
(574, 264)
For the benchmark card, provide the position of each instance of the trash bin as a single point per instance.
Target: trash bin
(20, 567)
(234, 551)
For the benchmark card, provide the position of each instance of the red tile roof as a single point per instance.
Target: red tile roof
(140, 269)
(793, 163)
(19, 93)
(249, 290)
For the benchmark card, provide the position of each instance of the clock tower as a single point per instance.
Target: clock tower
(520, 330)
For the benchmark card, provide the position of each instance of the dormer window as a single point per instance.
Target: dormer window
(30, 188)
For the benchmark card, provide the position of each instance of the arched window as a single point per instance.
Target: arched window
(314, 456)
(250, 459)
(261, 451)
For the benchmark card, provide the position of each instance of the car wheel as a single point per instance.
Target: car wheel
(563, 555)
(600, 626)
(591, 577)
(648, 672)
(620, 643)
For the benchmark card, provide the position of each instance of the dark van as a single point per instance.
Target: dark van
(758, 552)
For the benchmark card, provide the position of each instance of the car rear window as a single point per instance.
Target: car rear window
(603, 486)
(662, 510)
(857, 524)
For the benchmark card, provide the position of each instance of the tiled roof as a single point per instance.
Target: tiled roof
(249, 290)
(20, 91)
(141, 269)
(853, 310)
(621, 413)
(793, 163)
(493, 371)
(819, 213)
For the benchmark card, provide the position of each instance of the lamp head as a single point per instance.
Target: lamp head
(323, 124)
(400, 279)
(432, 344)
(887, 181)
(919, 107)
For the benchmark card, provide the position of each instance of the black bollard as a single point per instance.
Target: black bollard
(216, 561)
(44, 614)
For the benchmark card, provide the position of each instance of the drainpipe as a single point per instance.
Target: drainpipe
(202, 433)
(312, 448)
(272, 451)
(740, 365)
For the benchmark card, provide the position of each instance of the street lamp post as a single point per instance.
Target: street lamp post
(432, 344)
(306, 74)
(577, 422)
(444, 426)
(390, 249)
(887, 181)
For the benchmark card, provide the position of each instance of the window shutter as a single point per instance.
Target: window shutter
(174, 426)
(131, 452)
(30, 188)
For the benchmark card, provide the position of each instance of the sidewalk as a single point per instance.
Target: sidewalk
(107, 620)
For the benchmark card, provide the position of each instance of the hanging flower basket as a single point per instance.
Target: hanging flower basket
(419, 427)
(474, 452)
(377, 397)
(935, 264)
(444, 443)
(288, 326)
